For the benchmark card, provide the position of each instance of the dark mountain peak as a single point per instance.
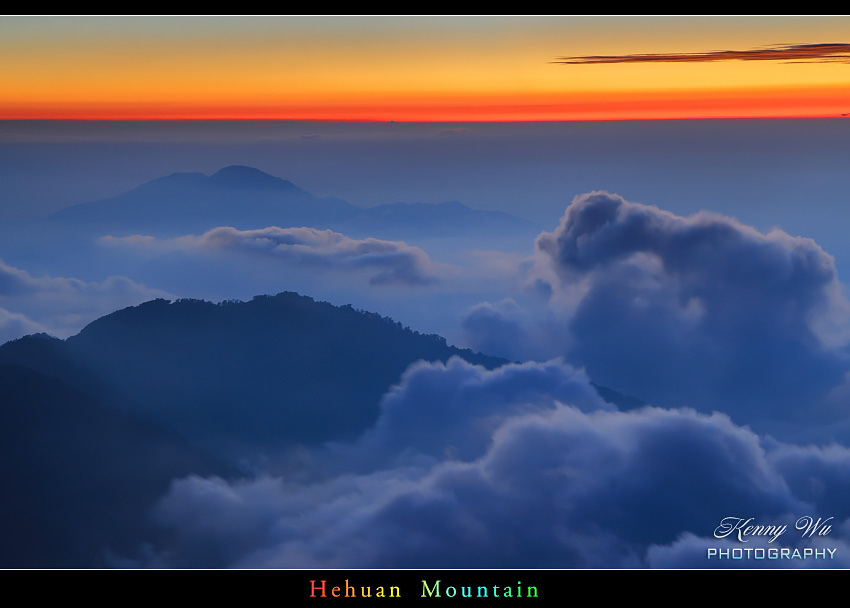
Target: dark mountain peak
(40, 338)
(242, 177)
(33, 347)
(260, 317)
(269, 371)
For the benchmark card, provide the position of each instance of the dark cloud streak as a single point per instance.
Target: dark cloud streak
(797, 53)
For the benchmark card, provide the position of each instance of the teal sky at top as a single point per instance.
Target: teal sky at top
(37, 27)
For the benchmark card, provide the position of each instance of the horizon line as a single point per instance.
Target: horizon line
(840, 117)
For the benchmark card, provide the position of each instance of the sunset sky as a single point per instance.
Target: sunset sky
(439, 292)
(441, 69)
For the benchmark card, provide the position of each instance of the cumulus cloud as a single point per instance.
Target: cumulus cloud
(818, 474)
(60, 305)
(530, 327)
(495, 328)
(452, 410)
(701, 311)
(387, 262)
(796, 53)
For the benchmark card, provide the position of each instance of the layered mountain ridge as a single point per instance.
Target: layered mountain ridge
(247, 198)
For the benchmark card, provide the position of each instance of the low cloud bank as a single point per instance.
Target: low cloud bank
(520, 467)
(386, 262)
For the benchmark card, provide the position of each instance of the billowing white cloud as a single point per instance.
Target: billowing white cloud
(530, 328)
(700, 311)
(495, 328)
(386, 262)
(451, 410)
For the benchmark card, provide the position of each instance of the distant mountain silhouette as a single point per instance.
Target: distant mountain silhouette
(247, 198)
(240, 177)
(185, 203)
